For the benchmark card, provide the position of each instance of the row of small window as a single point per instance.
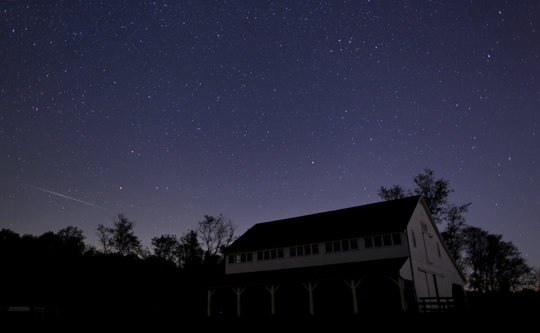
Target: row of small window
(242, 257)
(344, 245)
(337, 246)
(261, 255)
(275, 254)
(269, 254)
(384, 240)
(304, 250)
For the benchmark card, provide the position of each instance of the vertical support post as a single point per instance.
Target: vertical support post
(353, 289)
(238, 292)
(210, 293)
(310, 289)
(400, 283)
(272, 291)
(402, 294)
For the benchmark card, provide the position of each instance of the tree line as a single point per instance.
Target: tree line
(490, 264)
(119, 278)
(202, 245)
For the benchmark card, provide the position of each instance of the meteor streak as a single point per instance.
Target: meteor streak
(65, 196)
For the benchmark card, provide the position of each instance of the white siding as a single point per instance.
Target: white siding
(323, 258)
(425, 258)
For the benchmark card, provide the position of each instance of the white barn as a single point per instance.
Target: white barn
(389, 254)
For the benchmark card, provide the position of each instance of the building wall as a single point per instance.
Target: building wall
(363, 253)
(429, 259)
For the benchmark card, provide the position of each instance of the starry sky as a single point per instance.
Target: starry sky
(263, 110)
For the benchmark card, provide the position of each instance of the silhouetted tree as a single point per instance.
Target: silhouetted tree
(190, 250)
(120, 239)
(533, 281)
(493, 265)
(124, 240)
(166, 248)
(393, 193)
(7, 236)
(216, 233)
(73, 239)
(453, 235)
(10, 245)
(90, 250)
(105, 238)
(435, 193)
(50, 245)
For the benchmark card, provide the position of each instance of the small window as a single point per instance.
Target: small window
(396, 239)
(300, 250)
(315, 248)
(292, 252)
(243, 257)
(231, 258)
(377, 240)
(424, 226)
(237, 259)
(413, 238)
(345, 245)
(368, 241)
(307, 249)
(250, 256)
(387, 240)
(438, 249)
(354, 244)
(328, 247)
(268, 254)
(337, 246)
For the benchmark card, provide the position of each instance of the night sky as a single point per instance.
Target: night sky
(263, 110)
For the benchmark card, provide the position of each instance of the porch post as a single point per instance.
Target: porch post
(310, 289)
(238, 292)
(272, 291)
(402, 294)
(210, 293)
(353, 288)
(400, 283)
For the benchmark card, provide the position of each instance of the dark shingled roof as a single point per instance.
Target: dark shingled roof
(373, 219)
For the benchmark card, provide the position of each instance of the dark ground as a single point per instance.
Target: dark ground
(518, 311)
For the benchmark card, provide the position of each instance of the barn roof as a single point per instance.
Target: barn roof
(373, 219)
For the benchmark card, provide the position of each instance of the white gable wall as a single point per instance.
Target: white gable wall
(430, 265)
